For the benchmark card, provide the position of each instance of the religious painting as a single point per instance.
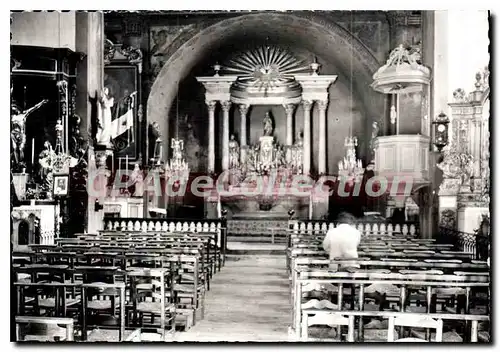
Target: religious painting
(121, 85)
(160, 38)
(61, 185)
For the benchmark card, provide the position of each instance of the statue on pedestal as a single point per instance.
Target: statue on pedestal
(103, 135)
(268, 125)
(234, 153)
(138, 180)
(46, 160)
(372, 141)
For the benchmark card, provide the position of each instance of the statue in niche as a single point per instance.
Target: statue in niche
(194, 152)
(104, 117)
(268, 125)
(46, 160)
(18, 133)
(234, 153)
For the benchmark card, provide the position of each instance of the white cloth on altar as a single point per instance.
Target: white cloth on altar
(342, 242)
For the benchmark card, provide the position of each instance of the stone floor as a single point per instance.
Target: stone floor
(248, 301)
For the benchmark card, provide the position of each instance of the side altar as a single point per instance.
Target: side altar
(260, 179)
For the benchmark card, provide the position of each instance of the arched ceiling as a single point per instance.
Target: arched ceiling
(314, 34)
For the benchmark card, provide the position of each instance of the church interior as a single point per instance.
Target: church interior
(174, 175)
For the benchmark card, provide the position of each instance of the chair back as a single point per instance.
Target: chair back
(416, 321)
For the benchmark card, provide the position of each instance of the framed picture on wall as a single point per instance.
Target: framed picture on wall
(61, 185)
(122, 84)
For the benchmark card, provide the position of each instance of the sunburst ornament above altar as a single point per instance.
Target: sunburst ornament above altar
(265, 67)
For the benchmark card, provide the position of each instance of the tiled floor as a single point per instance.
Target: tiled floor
(248, 301)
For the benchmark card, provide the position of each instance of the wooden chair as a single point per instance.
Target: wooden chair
(417, 321)
(331, 319)
(89, 320)
(101, 295)
(153, 302)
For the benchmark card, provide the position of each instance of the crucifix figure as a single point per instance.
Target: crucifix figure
(18, 132)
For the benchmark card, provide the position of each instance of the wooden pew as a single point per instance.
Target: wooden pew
(362, 279)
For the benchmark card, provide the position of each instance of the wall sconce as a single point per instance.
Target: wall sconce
(441, 131)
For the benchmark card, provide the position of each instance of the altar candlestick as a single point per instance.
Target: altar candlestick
(32, 152)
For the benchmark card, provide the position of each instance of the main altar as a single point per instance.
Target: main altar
(259, 177)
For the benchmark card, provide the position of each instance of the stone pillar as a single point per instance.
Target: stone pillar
(89, 40)
(211, 135)
(307, 104)
(289, 109)
(243, 131)
(226, 105)
(243, 115)
(322, 105)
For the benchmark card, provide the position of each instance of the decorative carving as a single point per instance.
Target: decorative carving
(226, 105)
(211, 104)
(402, 55)
(307, 104)
(134, 56)
(289, 108)
(109, 51)
(449, 186)
(460, 96)
(322, 104)
(456, 164)
(118, 52)
(375, 130)
(265, 68)
(139, 112)
(393, 114)
(471, 200)
(15, 64)
(448, 219)
(402, 72)
(63, 99)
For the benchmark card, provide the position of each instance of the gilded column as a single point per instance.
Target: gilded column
(211, 135)
(307, 104)
(226, 105)
(289, 109)
(322, 105)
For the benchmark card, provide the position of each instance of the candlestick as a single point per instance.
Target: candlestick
(32, 152)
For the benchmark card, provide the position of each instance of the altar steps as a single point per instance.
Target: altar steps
(252, 248)
(257, 238)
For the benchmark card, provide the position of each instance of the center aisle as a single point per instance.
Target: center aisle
(248, 301)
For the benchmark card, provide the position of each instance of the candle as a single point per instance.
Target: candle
(126, 162)
(33, 151)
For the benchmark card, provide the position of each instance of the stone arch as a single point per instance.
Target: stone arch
(320, 36)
